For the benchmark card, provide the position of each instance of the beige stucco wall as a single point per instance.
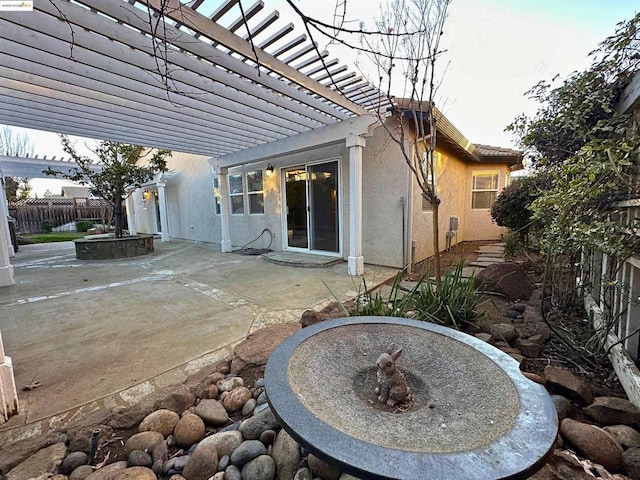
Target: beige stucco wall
(478, 222)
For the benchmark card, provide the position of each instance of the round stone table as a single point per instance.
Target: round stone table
(474, 415)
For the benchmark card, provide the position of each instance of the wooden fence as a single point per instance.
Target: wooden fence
(30, 218)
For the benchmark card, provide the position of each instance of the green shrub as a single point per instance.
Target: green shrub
(46, 226)
(395, 304)
(512, 244)
(453, 305)
(83, 225)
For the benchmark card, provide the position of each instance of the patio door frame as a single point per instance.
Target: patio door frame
(309, 217)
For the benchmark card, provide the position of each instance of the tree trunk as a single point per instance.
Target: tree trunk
(117, 218)
(436, 243)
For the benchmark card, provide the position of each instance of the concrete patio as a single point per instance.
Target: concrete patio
(97, 333)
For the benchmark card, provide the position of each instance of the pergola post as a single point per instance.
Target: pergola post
(8, 392)
(162, 199)
(4, 214)
(223, 184)
(355, 261)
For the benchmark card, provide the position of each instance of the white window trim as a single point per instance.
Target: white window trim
(217, 197)
(241, 194)
(254, 192)
(475, 173)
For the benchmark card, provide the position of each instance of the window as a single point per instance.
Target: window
(216, 194)
(236, 194)
(426, 204)
(484, 190)
(255, 192)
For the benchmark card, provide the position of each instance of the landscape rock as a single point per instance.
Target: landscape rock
(144, 441)
(567, 384)
(534, 377)
(485, 337)
(235, 399)
(42, 462)
(73, 461)
(135, 473)
(267, 437)
(562, 466)
(212, 412)
(175, 398)
(228, 384)
(322, 469)
(564, 408)
(626, 436)
(108, 472)
(190, 429)
(247, 451)
(79, 438)
(260, 468)
(138, 458)
(81, 472)
(286, 455)
(530, 347)
(503, 331)
(614, 411)
(594, 443)
(208, 391)
(17, 452)
(202, 464)
(631, 462)
(251, 355)
(232, 473)
(248, 407)
(160, 452)
(162, 421)
(253, 427)
(303, 474)
(508, 279)
(224, 442)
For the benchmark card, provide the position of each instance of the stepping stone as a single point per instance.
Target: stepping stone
(481, 264)
(468, 272)
(491, 248)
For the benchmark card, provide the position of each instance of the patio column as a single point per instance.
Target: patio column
(355, 261)
(162, 199)
(131, 217)
(223, 184)
(4, 214)
(8, 392)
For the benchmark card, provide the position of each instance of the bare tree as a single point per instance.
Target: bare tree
(15, 145)
(406, 63)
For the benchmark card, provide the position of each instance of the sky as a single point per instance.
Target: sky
(495, 50)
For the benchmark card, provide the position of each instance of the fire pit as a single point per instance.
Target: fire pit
(471, 413)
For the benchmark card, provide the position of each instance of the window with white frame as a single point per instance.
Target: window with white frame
(236, 194)
(426, 204)
(484, 189)
(255, 192)
(216, 194)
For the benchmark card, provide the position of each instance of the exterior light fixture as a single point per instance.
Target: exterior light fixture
(269, 169)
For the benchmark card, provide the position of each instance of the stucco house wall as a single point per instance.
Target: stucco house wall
(478, 222)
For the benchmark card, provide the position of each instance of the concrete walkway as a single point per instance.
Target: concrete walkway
(99, 333)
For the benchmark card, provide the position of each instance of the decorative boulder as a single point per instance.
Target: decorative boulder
(508, 279)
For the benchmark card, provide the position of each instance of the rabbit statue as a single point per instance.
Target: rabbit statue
(392, 387)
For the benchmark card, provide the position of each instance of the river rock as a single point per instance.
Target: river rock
(190, 429)
(81, 472)
(248, 407)
(73, 461)
(594, 443)
(303, 474)
(564, 408)
(247, 451)
(162, 421)
(210, 391)
(129, 417)
(232, 473)
(228, 384)
(135, 473)
(202, 464)
(267, 437)
(286, 455)
(224, 462)
(235, 399)
(160, 452)
(224, 442)
(566, 383)
(144, 441)
(212, 412)
(108, 472)
(42, 462)
(631, 462)
(322, 469)
(614, 411)
(626, 436)
(138, 458)
(253, 427)
(260, 468)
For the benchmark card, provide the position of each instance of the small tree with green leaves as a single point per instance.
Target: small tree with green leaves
(119, 173)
